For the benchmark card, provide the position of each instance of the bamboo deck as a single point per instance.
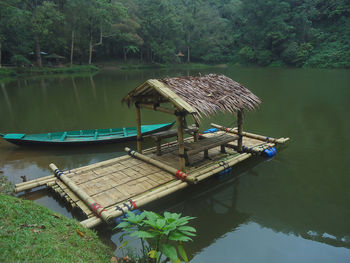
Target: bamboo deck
(119, 180)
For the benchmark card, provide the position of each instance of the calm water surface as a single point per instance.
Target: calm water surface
(292, 208)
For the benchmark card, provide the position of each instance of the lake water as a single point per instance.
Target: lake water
(292, 208)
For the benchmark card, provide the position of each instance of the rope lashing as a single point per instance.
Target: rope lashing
(129, 207)
(58, 173)
(95, 206)
(224, 164)
(267, 139)
(120, 209)
(247, 149)
(181, 175)
(134, 206)
(131, 153)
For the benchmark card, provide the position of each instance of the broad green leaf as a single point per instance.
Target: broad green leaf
(123, 224)
(142, 234)
(169, 251)
(182, 253)
(187, 228)
(176, 261)
(124, 244)
(177, 236)
(151, 223)
(188, 233)
(153, 254)
(160, 223)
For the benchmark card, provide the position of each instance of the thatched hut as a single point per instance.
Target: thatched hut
(194, 96)
(54, 59)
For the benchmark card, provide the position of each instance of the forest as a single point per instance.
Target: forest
(297, 33)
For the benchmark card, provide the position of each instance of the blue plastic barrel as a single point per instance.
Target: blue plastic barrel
(269, 152)
(211, 130)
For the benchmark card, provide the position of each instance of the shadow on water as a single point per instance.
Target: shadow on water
(301, 194)
(216, 206)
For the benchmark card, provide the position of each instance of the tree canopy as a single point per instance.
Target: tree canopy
(261, 32)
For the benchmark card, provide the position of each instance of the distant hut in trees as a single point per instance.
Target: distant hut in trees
(54, 59)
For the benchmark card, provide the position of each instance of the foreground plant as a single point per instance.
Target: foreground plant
(165, 235)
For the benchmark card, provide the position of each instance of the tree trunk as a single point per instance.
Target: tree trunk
(93, 45)
(124, 51)
(188, 54)
(0, 54)
(72, 49)
(90, 50)
(37, 51)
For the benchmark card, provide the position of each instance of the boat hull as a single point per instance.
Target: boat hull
(111, 139)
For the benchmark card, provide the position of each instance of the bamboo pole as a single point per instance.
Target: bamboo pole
(165, 190)
(220, 168)
(222, 164)
(256, 149)
(251, 135)
(240, 130)
(161, 109)
(180, 140)
(88, 200)
(139, 201)
(34, 183)
(179, 174)
(139, 135)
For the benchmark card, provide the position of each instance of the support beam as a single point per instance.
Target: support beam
(180, 141)
(240, 130)
(161, 109)
(138, 126)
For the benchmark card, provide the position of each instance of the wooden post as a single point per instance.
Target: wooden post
(138, 124)
(240, 129)
(88, 200)
(179, 174)
(180, 141)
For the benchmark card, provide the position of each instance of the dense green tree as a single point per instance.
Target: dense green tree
(287, 32)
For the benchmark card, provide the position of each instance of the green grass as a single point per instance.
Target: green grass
(7, 72)
(136, 66)
(5, 186)
(26, 71)
(32, 233)
(64, 70)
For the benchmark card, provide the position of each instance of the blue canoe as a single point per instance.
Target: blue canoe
(98, 136)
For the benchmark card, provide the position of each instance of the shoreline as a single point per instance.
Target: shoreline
(9, 73)
(30, 232)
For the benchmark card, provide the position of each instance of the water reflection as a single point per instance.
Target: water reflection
(7, 100)
(301, 194)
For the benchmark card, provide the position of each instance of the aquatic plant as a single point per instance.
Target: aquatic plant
(164, 234)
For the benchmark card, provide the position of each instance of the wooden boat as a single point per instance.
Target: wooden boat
(81, 137)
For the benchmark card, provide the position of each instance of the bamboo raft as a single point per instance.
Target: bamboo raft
(107, 189)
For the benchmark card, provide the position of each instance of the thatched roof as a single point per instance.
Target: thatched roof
(198, 96)
(55, 56)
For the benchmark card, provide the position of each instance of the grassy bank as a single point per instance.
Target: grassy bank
(32, 233)
(25, 71)
(137, 65)
(128, 66)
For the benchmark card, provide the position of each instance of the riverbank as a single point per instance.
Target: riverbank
(27, 71)
(32, 233)
(137, 65)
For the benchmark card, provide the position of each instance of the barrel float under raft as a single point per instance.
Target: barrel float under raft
(269, 152)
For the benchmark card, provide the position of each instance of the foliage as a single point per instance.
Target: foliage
(6, 72)
(6, 187)
(20, 60)
(292, 32)
(165, 234)
(31, 233)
